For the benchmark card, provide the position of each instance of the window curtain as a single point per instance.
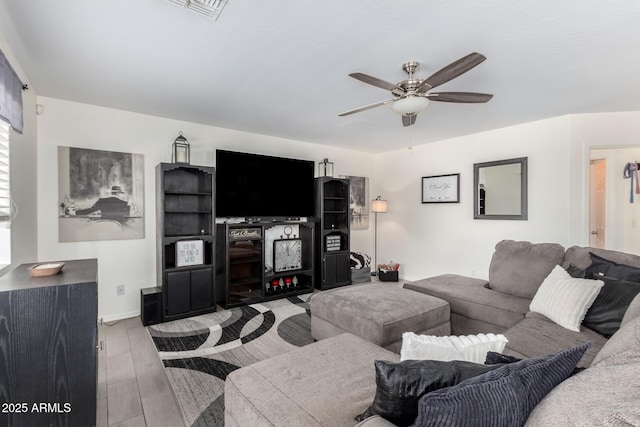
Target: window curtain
(10, 95)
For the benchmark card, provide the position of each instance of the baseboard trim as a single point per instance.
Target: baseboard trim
(121, 316)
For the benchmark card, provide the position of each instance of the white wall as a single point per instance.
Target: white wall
(23, 170)
(429, 239)
(434, 239)
(132, 262)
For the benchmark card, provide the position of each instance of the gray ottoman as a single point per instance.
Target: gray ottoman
(377, 312)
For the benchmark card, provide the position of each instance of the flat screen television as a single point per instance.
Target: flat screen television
(258, 186)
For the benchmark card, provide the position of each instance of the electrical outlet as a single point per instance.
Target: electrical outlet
(120, 290)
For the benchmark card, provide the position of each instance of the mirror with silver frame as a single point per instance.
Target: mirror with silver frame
(500, 189)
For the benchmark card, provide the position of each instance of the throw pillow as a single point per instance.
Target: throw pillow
(500, 398)
(401, 385)
(472, 348)
(564, 299)
(604, 267)
(359, 260)
(607, 311)
(609, 307)
(494, 358)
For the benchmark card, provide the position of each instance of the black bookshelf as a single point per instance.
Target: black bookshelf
(185, 219)
(332, 249)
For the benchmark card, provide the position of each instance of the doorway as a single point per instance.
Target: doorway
(597, 203)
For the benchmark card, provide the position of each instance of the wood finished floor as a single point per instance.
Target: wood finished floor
(133, 389)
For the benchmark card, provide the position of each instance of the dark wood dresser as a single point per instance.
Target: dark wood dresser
(48, 354)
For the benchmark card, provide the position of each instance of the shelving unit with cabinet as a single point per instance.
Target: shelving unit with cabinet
(185, 239)
(332, 207)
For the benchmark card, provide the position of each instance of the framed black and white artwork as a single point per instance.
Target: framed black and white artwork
(100, 195)
(441, 188)
(358, 201)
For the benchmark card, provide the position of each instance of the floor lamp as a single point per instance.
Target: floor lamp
(377, 206)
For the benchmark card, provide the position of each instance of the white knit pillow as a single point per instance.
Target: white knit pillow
(472, 348)
(564, 299)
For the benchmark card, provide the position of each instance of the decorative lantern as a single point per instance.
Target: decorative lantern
(325, 168)
(180, 150)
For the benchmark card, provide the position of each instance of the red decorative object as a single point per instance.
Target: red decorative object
(274, 282)
(287, 280)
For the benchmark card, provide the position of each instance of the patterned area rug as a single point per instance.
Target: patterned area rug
(199, 352)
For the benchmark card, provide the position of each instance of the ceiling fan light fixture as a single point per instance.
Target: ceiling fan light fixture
(410, 104)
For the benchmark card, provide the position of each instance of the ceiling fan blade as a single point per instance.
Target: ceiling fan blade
(462, 97)
(455, 69)
(374, 81)
(409, 119)
(366, 107)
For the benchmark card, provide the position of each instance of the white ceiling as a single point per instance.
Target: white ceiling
(280, 67)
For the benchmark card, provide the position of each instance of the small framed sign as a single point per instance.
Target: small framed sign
(189, 252)
(441, 188)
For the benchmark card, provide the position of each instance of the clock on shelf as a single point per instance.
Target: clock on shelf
(287, 253)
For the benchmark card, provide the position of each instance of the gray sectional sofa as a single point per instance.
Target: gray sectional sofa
(501, 304)
(331, 381)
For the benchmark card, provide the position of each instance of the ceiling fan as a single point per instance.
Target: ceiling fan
(412, 95)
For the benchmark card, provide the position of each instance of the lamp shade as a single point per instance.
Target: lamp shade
(410, 104)
(378, 205)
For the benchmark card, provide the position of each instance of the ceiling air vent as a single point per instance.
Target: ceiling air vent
(210, 8)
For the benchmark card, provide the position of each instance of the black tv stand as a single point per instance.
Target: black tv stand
(245, 272)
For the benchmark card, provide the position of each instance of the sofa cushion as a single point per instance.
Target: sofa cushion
(506, 395)
(632, 312)
(325, 383)
(375, 421)
(518, 268)
(605, 394)
(536, 335)
(461, 325)
(399, 386)
(469, 298)
(565, 299)
(470, 348)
